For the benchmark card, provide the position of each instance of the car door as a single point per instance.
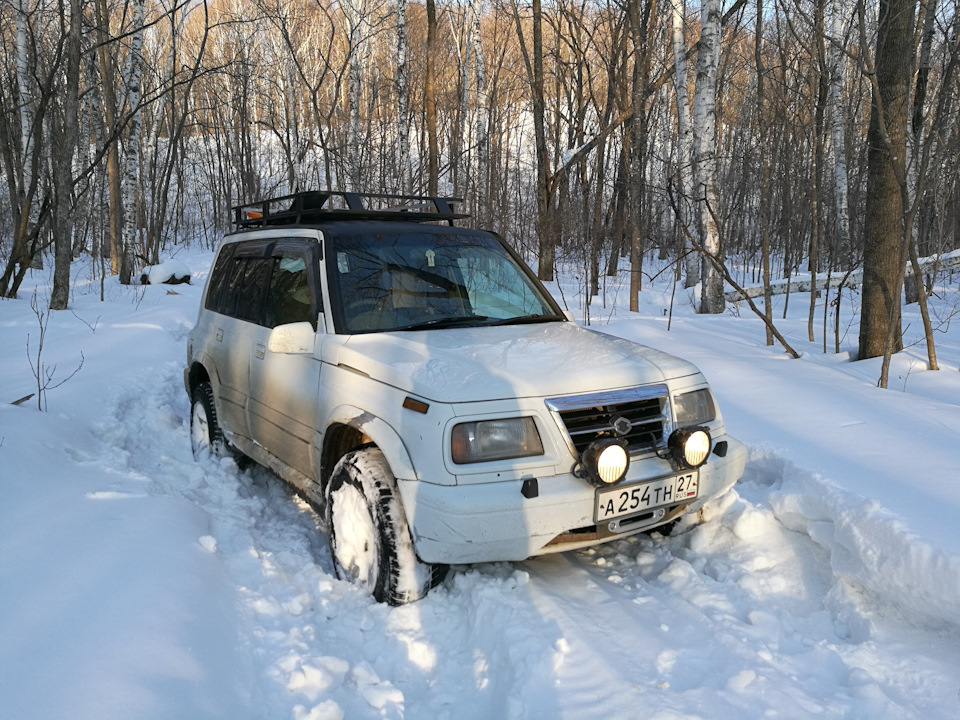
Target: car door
(283, 387)
(236, 323)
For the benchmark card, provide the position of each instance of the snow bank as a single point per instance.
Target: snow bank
(169, 271)
(869, 547)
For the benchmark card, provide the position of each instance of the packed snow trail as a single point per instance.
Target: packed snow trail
(736, 616)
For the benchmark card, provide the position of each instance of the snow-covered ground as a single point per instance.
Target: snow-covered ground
(137, 583)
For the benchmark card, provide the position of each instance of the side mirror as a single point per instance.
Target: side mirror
(568, 314)
(292, 339)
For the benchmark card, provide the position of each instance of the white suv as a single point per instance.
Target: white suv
(415, 382)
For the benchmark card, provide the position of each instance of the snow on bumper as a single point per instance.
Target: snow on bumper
(494, 521)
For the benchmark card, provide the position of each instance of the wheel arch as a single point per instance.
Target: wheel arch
(350, 428)
(198, 374)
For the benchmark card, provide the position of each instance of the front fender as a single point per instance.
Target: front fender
(381, 434)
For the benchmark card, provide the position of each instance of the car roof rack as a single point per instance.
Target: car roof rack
(311, 207)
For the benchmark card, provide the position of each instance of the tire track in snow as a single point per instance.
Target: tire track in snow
(741, 616)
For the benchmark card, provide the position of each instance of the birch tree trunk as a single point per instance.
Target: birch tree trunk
(354, 22)
(24, 90)
(131, 160)
(705, 154)
(461, 129)
(691, 262)
(837, 134)
(21, 161)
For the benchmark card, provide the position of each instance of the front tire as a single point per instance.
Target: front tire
(370, 540)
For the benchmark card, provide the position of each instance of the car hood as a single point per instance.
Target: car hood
(510, 361)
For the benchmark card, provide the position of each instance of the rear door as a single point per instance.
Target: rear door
(236, 320)
(282, 407)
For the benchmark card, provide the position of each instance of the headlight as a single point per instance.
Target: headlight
(606, 461)
(694, 408)
(690, 447)
(487, 440)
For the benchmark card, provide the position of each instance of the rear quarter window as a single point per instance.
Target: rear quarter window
(218, 279)
(254, 279)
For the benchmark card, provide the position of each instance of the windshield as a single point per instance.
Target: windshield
(419, 281)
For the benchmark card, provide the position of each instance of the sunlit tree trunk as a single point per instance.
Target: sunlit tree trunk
(481, 118)
(430, 99)
(884, 250)
(705, 153)
(131, 164)
(403, 101)
(355, 20)
(684, 141)
(533, 63)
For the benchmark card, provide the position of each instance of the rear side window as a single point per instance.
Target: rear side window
(269, 283)
(253, 279)
(219, 277)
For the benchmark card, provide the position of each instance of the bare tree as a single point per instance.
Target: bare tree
(765, 187)
(533, 64)
(64, 141)
(403, 101)
(885, 250)
(430, 101)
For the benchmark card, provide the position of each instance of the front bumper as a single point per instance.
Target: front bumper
(494, 521)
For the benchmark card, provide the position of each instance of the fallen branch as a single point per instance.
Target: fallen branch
(851, 279)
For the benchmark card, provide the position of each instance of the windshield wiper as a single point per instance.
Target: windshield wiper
(527, 320)
(447, 322)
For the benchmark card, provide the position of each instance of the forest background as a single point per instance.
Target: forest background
(741, 142)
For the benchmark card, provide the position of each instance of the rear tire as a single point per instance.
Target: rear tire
(206, 436)
(370, 540)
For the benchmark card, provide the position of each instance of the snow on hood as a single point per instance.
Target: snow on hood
(494, 363)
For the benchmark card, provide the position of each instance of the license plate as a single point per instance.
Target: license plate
(630, 499)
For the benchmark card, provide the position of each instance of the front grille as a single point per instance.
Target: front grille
(590, 417)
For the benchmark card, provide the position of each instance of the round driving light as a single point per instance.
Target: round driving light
(690, 446)
(606, 461)
(697, 448)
